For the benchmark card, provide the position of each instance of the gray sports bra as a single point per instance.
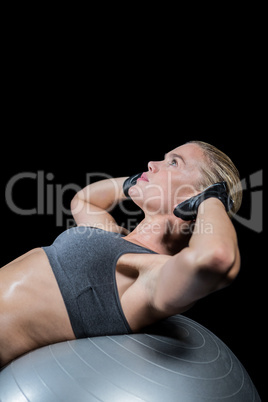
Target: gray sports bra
(83, 260)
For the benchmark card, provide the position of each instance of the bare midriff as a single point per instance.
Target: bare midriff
(32, 310)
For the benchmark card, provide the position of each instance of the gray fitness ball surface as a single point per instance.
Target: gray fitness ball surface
(175, 360)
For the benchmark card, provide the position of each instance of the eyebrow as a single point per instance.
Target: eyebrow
(173, 155)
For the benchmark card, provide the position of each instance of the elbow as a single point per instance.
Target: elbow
(227, 265)
(222, 260)
(218, 268)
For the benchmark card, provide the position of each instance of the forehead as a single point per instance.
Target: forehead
(191, 153)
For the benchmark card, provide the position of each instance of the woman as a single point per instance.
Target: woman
(96, 279)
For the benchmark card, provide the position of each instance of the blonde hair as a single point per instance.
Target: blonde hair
(219, 167)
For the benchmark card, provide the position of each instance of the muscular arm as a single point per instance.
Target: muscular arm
(91, 205)
(210, 262)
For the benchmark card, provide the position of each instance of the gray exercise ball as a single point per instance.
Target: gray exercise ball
(175, 360)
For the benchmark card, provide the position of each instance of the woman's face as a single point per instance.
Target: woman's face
(170, 181)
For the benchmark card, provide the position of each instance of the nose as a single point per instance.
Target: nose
(153, 167)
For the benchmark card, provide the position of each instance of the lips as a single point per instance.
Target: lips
(143, 177)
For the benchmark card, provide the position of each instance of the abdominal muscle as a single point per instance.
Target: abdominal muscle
(32, 310)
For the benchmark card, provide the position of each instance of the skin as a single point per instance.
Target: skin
(150, 286)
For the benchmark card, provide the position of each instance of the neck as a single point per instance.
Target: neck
(160, 234)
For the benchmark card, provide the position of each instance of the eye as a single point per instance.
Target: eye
(173, 162)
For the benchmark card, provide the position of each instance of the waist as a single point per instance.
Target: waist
(34, 312)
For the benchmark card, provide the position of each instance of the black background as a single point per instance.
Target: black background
(72, 109)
